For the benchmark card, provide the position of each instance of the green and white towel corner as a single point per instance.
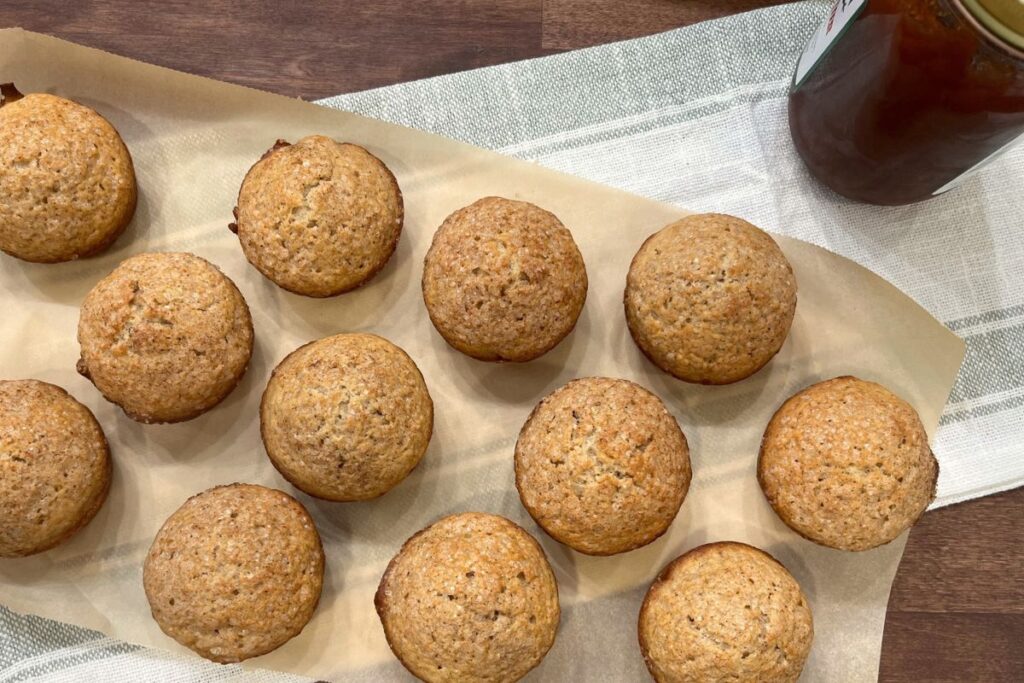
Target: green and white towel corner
(696, 117)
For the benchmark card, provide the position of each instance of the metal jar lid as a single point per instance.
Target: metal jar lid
(1004, 18)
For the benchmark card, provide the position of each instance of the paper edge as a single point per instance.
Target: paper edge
(957, 344)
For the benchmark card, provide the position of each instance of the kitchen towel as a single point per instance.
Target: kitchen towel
(696, 117)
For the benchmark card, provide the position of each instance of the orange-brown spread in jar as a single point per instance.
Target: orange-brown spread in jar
(909, 96)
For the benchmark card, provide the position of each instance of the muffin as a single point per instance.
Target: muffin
(602, 466)
(54, 466)
(67, 184)
(346, 417)
(725, 612)
(846, 463)
(235, 572)
(319, 217)
(469, 598)
(710, 299)
(503, 280)
(165, 336)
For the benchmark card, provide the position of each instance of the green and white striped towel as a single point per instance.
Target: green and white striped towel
(696, 117)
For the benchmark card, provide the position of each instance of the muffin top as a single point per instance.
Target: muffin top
(725, 612)
(235, 572)
(503, 280)
(846, 463)
(319, 217)
(165, 336)
(346, 417)
(67, 185)
(469, 598)
(602, 466)
(54, 466)
(710, 298)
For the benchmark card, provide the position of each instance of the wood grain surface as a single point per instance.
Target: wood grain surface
(957, 607)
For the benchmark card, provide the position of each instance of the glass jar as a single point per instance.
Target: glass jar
(895, 101)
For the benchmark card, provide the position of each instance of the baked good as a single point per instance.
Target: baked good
(319, 217)
(346, 417)
(165, 336)
(710, 298)
(67, 184)
(725, 612)
(54, 466)
(235, 572)
(602, 466)
(469, 598)
(846, 463)
(503, 280)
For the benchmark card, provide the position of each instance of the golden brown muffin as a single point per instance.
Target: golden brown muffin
(471, 598)
(725, 612)
(602, 466)
(346, 417)
(710, 298)
(235, 572)
(319, 217)
(846, 463)
(503, 280)
(165, 336)
(67, 184)
(54, 466)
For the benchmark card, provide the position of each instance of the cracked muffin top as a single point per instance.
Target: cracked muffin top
(54, 466)
(235, 572)
(602, 466)
(67, 184)
(503, 280)
(165, 336)
(346, 417)
(469, 599)
(319, 217)
(846, 463)
(725, 612)
(710, 298)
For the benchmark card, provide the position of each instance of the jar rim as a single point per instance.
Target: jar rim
(998, 20)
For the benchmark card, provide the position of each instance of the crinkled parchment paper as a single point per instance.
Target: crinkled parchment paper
(193, 140)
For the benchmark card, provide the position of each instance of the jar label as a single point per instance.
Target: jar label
(839, 18)
(978, 166)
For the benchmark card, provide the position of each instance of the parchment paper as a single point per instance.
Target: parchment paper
(193, 140)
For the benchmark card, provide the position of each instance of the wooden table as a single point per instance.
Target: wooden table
(957, 607)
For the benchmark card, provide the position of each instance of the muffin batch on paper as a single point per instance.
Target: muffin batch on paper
(601, 464)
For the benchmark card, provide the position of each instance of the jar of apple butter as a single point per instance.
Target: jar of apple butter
(896, 101)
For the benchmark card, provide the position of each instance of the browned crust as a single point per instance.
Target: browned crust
(129, 214)
(380, 598)
(760, 467)
(9, 93)
(320, 545)
(533, 513)
(554, 581)
(108, 471)
(263, 434)
(635, 334)
(494, 358)
(666, 573)
(143, 418)
(788, 520)
(497, 358)
(133, 199)
(281, 144)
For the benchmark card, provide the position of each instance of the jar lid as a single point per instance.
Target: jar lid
(1005, 18)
